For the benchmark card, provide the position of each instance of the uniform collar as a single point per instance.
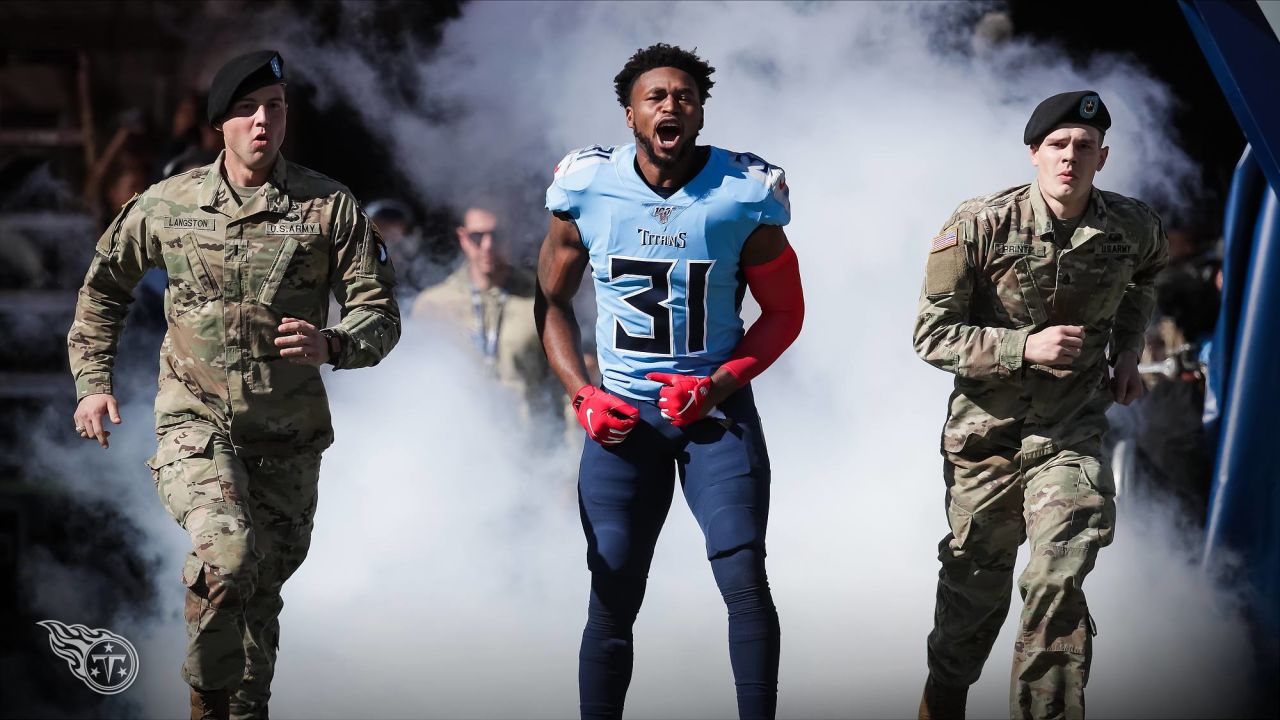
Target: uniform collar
(273, 197)
(1093, 222)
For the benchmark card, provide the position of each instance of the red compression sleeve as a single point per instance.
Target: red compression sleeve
(776, 287)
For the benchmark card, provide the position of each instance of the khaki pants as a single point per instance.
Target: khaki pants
(250, 521)
(1064, 503)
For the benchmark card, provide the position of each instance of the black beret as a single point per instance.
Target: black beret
(1082, 107)
(241, 76)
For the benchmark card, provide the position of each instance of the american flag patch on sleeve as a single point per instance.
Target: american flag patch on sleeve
(943, 241)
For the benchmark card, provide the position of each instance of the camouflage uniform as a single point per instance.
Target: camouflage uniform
(240, 428)
(1022, 442)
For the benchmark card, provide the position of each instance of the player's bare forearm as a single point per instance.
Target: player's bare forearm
(561, 262)
(562, 342)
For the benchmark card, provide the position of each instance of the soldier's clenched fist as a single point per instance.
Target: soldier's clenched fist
(1058, 345)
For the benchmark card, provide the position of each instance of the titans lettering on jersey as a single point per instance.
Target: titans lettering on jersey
(667, 282)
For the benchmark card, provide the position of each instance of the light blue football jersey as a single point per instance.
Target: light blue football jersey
(668, 286)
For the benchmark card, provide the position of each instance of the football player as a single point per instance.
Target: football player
(674, 233)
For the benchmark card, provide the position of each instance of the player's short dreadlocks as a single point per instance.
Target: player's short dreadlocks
(663, 55)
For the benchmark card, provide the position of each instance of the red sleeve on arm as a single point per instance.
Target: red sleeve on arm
(776, 287)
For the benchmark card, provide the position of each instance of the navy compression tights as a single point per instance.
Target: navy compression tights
(625, 493)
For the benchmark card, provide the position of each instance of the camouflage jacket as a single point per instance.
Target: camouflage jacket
(234, 273)
(995, 275)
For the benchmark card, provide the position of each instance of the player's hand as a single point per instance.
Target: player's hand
(683, 399)
(1126, 384)
(88, 417)
(301, 342)
(607, 419)
(1056, 346)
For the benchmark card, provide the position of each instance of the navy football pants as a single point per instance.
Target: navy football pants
(624, 492)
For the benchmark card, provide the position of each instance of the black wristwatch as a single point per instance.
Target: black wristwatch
(334, 344)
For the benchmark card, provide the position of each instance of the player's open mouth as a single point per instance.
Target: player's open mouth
(668, 132)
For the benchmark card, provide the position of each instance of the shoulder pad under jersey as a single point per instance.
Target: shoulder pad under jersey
(766, 185)
(573, 174)
(569, 171)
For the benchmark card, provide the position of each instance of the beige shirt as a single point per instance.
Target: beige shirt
(497, 326)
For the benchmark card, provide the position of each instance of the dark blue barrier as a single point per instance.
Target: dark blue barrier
(1244, 376)
(1243, 399)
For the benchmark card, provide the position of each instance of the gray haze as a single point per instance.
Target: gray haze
(447, 575)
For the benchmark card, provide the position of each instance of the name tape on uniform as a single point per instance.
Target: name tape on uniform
(190, 223)
(293, 228)
(1015, 249)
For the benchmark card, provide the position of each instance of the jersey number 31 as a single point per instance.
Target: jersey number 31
(655, 302)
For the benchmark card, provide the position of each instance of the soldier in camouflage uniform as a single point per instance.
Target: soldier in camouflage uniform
(1030, 294)
(253, 245)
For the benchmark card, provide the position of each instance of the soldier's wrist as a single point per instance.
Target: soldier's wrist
(99, 384)
(333, 342)
(1012, 350)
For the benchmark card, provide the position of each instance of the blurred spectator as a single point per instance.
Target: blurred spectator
(405, 244)
(121, 172)
(1182, 244)
(192, 142)
(491, 303)
(993, 30)
(1173, 457)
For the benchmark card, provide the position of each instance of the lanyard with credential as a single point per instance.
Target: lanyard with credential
(486, 338)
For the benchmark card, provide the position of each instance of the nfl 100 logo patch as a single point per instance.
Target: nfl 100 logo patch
(663, 213)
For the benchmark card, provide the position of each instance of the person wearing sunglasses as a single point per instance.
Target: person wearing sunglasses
(488, 302)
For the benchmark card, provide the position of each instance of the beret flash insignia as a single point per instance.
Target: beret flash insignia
(1088, 106)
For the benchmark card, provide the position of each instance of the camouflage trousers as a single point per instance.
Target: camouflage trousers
(250, 521)
(1064, 503)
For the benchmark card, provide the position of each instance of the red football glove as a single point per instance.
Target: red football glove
(682, 399)
(606, 419)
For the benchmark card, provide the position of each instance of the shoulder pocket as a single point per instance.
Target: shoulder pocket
(945, 270)
(181, 443)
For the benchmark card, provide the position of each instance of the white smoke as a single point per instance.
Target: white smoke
(447, 575)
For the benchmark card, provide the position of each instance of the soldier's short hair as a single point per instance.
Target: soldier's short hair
(663, 55)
